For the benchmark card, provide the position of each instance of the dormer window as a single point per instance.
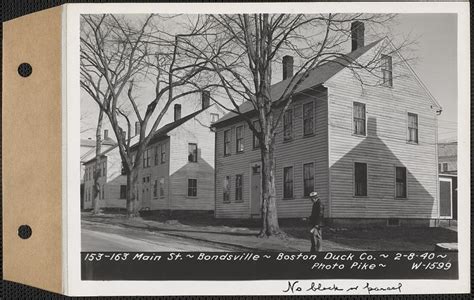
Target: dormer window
(387, 70)
(214, 117)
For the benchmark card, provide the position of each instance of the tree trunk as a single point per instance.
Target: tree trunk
(270, 225)
(98, 151)
(132, 193)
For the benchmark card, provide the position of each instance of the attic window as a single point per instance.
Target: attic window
(387, 70)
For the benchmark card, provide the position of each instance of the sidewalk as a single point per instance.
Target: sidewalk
(242, 234)
(241, 238)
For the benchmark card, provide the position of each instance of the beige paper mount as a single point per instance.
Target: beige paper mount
(32, 150)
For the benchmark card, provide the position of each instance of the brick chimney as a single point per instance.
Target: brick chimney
(357, 35)
(287, 66)
(177, 112)
(205, 99)
(106, 134)
(137, 128)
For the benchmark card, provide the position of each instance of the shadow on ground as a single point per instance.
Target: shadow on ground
(204, 225)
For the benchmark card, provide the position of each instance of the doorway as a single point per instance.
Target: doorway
(256, 189)
(445, 198)
(146, 193)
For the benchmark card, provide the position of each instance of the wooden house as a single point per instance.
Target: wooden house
(448, 179)
(368, 150)
(177, 168)
(88, 153)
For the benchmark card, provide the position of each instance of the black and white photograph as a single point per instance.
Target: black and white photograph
(244, 136)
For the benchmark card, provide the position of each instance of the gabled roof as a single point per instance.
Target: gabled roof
(163, 131)
(448, 149)
(158, 135)
(91, 143)
(102, 154)
(316, 77)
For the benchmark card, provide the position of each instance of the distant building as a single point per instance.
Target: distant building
(88, 152)
(369, 151)
(448, 179)
(448, 157)
(177, 168)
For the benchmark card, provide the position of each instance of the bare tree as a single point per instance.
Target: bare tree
(118, 52)
(248, 47)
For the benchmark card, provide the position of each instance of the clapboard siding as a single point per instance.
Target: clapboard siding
(384, 147)
(295, 153)
(112, 193)
(235, 164)
(89, 184)
(195, 131)
(156, 172)
(174, 171)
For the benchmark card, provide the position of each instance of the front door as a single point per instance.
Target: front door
(445, 198)
(146, 193)
(256, 187)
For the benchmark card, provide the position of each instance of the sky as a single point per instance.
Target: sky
(436, 63)
(435, 51)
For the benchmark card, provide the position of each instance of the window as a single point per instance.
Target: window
(192, 187)
(288, 125)
(227, 142)
(214, 117)
(255, 141)
(123, 192)
(360, 179)
(157, 155)
(124, 169)
(359, 118)
(445, 167)
(239, 139)
(400, 182)
(163, 153)
(104, 167)
(308, 118)
(155, 188)
(226, 189)
(238, 187)
(192, 152)
(288, 182)
(412, 128)
(146, 158)
(308, 178)
(102, 190)
(387, 70)
(162, 187)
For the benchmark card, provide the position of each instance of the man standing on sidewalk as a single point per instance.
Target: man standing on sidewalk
(316, 220)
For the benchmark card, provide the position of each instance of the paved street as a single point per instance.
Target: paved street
(107, 237)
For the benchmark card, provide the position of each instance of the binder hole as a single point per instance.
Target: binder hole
(25, 69)
(24, 231)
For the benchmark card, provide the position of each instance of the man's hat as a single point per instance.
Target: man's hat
(313, 194)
